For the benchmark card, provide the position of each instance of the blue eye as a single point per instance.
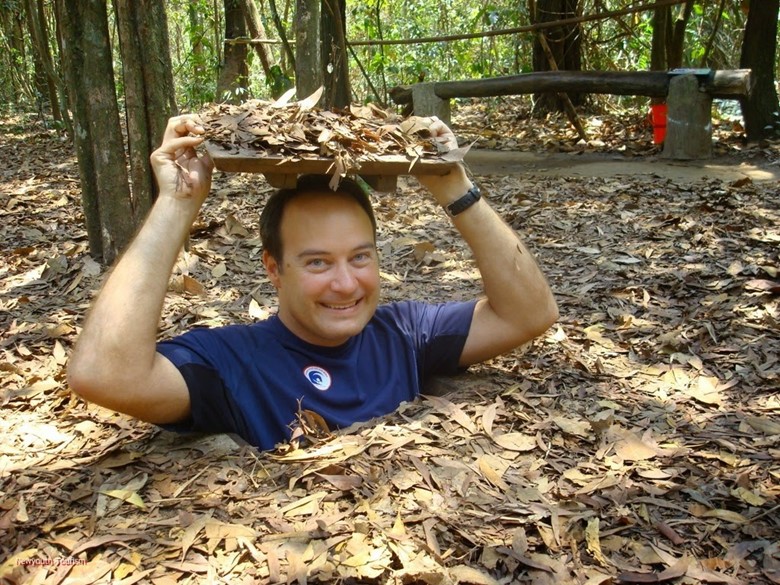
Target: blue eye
(362, 257)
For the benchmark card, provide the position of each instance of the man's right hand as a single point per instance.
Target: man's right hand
(180, 171)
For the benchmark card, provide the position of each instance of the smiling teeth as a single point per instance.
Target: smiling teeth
(341, 306)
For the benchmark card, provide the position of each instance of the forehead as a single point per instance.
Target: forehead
(312, 213)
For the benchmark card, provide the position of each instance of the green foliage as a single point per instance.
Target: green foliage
(16, 67)
(196, 34)
(196, 50)
(279, 82)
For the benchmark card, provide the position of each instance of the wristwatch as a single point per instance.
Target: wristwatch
(460, 205)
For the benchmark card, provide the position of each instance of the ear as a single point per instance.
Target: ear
(272, 268)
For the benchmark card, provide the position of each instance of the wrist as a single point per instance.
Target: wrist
(471, 197)
(449, 188)
(172, 215)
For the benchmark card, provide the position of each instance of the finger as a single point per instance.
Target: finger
(181, 126)
(170, 128)
(189, 125)
(191, 160)
(175, 146)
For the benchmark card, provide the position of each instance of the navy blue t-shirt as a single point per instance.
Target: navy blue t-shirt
(252, 379)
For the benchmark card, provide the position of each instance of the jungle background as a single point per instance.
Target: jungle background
(636, 442)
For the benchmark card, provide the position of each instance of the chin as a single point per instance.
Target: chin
(340, 332)
(343, 332)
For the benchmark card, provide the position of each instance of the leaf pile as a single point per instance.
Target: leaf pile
(636, 442)
(297, 130)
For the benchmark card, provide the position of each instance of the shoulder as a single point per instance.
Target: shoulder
(214, 341)
(418, 315)
(400, 312)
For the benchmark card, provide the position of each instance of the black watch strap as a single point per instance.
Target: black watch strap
(460, 205)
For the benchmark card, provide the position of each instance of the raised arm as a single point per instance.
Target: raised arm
(115, 363)
(518, 303)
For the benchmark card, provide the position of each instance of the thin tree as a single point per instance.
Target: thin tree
(148, 89)
(308, 62)
(759, 46)
(89, 73)
(288, 52)
(565, 46)
(661, 17)
(233, 77)
(14, 51)
(45, 76)
(257, 30)
(335, 66)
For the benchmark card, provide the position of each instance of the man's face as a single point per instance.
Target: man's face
(328, 278)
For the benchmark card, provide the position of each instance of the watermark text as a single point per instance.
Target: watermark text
(56, 562)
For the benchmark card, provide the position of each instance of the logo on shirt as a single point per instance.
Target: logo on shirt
(319, 378)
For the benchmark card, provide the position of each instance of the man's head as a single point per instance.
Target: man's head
(319, 248)
(271, 217)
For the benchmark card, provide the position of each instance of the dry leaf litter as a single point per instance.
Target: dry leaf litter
(638, 441)
(290, 131)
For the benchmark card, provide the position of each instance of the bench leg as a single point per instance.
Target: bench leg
(689, 120)
(427, 103)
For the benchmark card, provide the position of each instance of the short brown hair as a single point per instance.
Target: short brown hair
(271, 217)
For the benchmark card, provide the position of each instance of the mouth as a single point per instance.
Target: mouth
(341, 306)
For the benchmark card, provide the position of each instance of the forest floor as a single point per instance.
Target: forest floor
(638, 441)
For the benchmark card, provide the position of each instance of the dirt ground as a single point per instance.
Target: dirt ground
(637, 441)
(725, 168)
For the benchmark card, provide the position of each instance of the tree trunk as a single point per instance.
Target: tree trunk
(149, 91)
(89, 72)
(676, 41)
(565, 44)
(308, 60)
(760, 109)
(40, 41)
(661, 16)
(39, 70)
(233, 78)
(196, 34)
(335, 67)
(160, 91)
(56, 91)
(282, 35)
(257, 31)
(13, 29)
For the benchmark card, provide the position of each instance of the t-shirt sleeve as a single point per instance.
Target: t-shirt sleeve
(439, 332)
(213, 407)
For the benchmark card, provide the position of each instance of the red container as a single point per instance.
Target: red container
(658, 118)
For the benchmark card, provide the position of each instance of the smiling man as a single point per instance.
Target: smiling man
(330, 269)
(331, 348)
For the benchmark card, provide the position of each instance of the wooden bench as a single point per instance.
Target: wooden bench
(688, 94)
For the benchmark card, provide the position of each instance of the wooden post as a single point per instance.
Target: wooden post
(427, 103)
(689, 120)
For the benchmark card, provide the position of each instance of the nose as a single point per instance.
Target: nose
(344, 279)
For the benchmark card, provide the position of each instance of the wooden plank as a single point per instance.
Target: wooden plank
(249, 161)
(728, 84)
(380, 172)
(647, 83)
(731, 83)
